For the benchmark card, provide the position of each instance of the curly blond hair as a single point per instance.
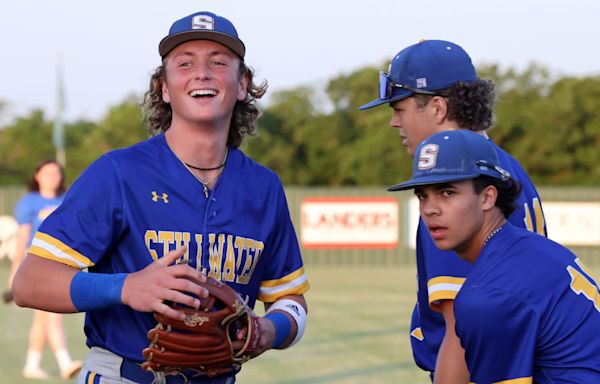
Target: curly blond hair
(158, 114)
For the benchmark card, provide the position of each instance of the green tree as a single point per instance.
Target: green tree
(551, 125)
(122, 126)
(23, 144)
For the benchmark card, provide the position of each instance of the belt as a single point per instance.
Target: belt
(134, 372)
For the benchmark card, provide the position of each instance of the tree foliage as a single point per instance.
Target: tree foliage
(550, 124)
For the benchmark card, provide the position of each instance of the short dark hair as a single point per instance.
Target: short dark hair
(470, 104)
(508, 192)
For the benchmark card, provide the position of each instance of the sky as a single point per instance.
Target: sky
(109, 48)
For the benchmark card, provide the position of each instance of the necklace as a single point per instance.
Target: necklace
(205, 184)
(492, 234)
(212, 168)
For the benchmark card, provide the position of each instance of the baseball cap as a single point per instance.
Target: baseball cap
(202, 26)
(425, 67)
(450, 156)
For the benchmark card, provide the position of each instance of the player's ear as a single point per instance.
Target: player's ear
(243, 86)
(489, 195)
(165, 92)
(440, 108)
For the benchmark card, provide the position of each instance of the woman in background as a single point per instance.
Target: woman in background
(46, 189)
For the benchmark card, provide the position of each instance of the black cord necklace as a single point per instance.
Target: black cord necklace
(210, 169)
(207, 169)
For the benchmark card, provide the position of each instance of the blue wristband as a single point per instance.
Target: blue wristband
(283, 327)
(91, 291)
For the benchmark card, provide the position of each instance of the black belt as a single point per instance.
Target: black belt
(134, 372)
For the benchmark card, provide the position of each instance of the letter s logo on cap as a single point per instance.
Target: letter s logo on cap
(203, 22)
(428, 156)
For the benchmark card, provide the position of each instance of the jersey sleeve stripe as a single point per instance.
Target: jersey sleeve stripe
(445, 280)
(443, 288)
(283, 285)
(298, 290)
(51, 248)
(520, 380)
(271, 290)
(442, 295)
(288, 278)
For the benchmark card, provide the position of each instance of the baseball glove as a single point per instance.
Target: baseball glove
(203, 343)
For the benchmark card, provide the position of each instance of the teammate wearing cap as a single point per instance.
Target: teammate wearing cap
(529, 311)
(432, 86)
(151, 220)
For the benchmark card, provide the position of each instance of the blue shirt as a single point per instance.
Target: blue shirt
(529, 311)
(33, 208)
(442, 273)
(132, 206)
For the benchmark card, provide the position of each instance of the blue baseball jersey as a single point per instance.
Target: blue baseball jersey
(529, 312)
(442, 273)
(132, 206)
(33, 208)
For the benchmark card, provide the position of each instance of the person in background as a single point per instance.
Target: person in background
(45, 193)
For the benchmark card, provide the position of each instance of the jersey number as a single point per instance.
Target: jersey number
(582, 284)
(538, 215)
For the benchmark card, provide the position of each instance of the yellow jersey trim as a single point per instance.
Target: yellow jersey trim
(520, 380)
(443, 288)
(287, 278)
(295, 283)
(48, 247)
(417, 333)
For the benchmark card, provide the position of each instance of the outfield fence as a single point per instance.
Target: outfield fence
(368, 226)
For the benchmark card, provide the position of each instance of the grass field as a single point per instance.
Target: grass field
(357, 333)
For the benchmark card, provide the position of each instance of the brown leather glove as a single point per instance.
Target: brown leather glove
(203, 343)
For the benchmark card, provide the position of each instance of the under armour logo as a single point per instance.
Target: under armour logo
(163, 196)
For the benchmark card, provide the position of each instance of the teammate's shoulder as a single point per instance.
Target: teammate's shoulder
(524, 253)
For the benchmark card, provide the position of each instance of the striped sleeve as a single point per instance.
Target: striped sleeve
(443, 288)
(48, 247)
(295, 283)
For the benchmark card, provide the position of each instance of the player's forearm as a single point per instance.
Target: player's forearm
(450, 367)
(44, 284)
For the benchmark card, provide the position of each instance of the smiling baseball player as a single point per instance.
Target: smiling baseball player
(151, 222)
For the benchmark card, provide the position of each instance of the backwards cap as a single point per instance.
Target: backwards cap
(451, 156)
(430, 65)
(202, 26)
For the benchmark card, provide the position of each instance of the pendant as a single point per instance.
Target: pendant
(205, 191)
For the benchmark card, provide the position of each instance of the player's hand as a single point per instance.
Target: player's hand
(266, 331)
(163, 280)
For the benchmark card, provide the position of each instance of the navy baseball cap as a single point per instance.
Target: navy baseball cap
(202, 26)
(425, 67)
(450, 156)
